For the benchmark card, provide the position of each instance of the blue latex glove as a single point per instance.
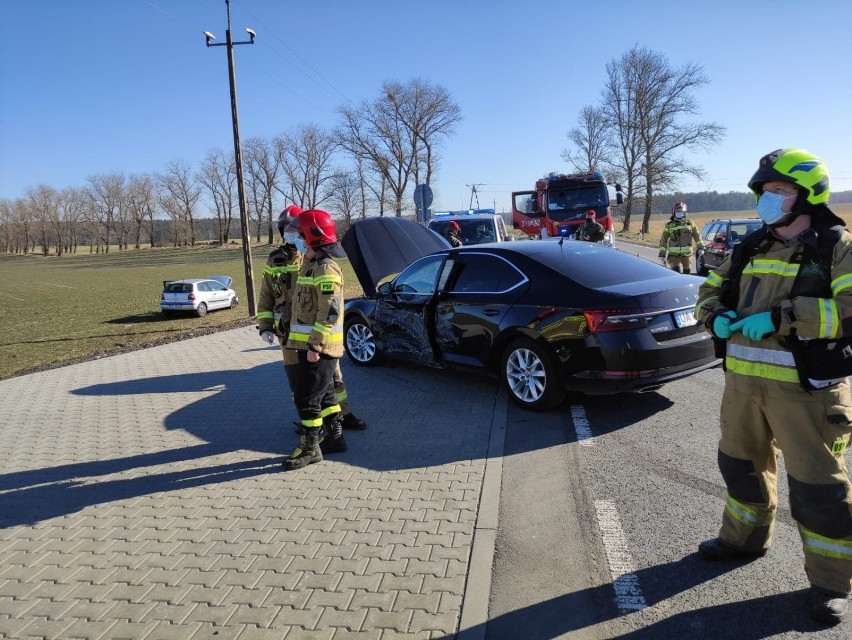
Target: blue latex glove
(722, 325)
(755, 327)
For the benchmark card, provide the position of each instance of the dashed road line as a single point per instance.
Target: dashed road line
(628, 592)
(581, 426)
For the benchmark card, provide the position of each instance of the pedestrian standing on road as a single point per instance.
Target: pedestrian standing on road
(592, 230)
(676, 242)
(452, 233)
(316, 333)
(275, 304)
(781, 306)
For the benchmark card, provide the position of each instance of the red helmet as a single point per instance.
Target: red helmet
(591, 213)
(317, 228)
(452, 224)
(679, 205)
(285, 218)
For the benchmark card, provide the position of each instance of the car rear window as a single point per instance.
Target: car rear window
(178, 287)
(597, 267)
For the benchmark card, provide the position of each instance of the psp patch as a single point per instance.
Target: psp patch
(326, 287)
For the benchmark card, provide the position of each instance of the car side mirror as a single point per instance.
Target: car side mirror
(384, 288)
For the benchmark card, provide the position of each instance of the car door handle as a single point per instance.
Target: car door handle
(490, 312)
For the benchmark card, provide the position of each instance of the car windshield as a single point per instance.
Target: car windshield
(472, 230)
(597, 267)
(563, 203)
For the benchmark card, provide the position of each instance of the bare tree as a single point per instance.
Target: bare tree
(306, 154)
(591, 137)
(262, 167)
(178, 192)
(141, 205)
(73, 202)
(43, 203)
(662, 97)
(106, 192)
(219, 176)
(346, 195)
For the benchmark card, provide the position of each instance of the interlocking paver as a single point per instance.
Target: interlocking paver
(141, 498)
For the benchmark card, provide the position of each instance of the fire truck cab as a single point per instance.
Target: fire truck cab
(557, 208)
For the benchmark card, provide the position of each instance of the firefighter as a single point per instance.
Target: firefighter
(592, 230)
(678, 235)
(316, 333)
(452, 233)
(274, 305)
(782, 304)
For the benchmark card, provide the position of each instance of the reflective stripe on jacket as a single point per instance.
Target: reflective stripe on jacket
(678, 236)
(317, 318)
(276, 289)
(766, 283)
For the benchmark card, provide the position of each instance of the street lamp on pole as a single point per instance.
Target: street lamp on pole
(238, 156)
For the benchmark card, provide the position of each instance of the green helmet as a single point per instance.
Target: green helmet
(796, 166)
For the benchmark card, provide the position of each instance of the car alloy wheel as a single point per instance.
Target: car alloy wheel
(201, 310)
(530, 376)
(360, 343)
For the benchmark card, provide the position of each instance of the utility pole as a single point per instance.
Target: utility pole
(238, 156)
(474, 194)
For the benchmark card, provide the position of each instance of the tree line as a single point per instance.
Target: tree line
(379, 150)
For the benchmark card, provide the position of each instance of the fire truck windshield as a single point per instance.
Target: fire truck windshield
(566, 203)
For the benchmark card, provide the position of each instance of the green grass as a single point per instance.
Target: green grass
(58, 310)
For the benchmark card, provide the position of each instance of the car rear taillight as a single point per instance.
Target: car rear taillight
(601, 320)
(162, 296)
(191, 296)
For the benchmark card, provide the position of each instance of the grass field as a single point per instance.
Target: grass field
(59, 310)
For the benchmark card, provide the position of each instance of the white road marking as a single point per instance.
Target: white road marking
(581, 426)
(628, 593)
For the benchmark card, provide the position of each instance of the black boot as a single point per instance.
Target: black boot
(353, 423)
(308, 451)
(717, 549)
(826, 606)
(333, 441)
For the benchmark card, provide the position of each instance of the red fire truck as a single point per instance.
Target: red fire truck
(557, 207)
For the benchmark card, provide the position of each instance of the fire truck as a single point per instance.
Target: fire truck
(557, 207)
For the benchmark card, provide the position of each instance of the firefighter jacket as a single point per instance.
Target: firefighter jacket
(591, 231)
(276, 290)
(316, 323)
(454, 239)
(765, 285)
(678, 236)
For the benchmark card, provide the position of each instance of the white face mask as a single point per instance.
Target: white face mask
(290, 237)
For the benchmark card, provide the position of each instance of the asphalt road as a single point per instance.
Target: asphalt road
(603, 504)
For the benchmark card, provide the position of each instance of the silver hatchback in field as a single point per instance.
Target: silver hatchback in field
(198, 295)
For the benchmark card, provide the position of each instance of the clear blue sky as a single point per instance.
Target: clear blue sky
(95, 86)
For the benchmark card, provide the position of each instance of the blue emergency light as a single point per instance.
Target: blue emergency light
(465, 212)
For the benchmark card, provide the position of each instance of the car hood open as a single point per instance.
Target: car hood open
(225, 281)
(379, 247)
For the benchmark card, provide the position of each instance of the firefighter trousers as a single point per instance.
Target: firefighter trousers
(763, 419)
(678, 263)
(291, 365)
(313, 392)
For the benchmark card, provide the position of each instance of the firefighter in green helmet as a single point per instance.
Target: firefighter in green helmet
(780, 307)
(677, 239)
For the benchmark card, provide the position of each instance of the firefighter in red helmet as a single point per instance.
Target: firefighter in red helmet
(275, 303)
(452, 232)
(316, 334)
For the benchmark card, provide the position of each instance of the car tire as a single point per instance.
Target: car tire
(360, 343)
(700, 268)
(234, 302)
(201, 311)
(529, 374)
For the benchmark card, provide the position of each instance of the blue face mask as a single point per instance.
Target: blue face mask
(300, 244)
(290, 237)
(769, 207)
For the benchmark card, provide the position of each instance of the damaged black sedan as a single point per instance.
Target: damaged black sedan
(548, 318)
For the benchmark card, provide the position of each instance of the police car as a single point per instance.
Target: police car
(478, 226)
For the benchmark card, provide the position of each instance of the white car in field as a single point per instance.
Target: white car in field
(198, 295)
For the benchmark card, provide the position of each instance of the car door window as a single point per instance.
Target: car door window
(204, 287)
(483, 273)
(419, 277)
(710, 233)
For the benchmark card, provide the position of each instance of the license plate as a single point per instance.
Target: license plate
(685, 318)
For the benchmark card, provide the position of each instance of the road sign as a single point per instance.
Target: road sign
(423, 196)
